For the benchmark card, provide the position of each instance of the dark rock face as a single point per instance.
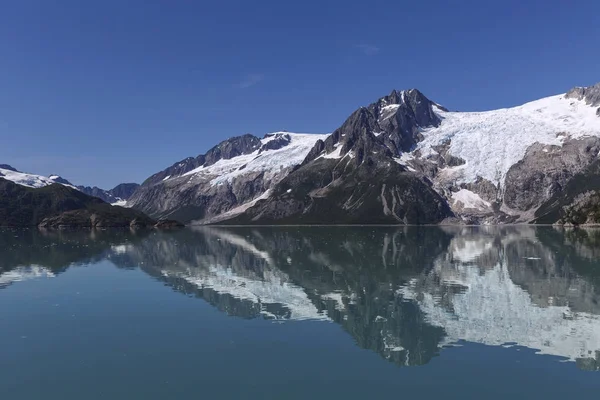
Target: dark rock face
(124, 190)
(545, 170)
(319, 193)
(230, 148)
(402, 128)
(386, 128)
(590, 94)
(276, 143)
(8, 167)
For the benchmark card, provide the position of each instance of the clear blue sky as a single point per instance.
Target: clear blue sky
(110, 91)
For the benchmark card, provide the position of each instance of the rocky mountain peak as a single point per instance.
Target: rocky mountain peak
(59, 179)
(8, 167)
(389, 126)
(227, 149)
(590, 94)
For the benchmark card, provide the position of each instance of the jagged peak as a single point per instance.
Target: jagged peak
(590, 94)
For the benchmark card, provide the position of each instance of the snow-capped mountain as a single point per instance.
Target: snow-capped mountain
(30, 180)
(226, 180)
(118, 195)
(396, 160)
(402, 159)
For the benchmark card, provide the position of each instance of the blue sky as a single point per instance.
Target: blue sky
(112, 91)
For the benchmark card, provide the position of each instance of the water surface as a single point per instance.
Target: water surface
(293, 313)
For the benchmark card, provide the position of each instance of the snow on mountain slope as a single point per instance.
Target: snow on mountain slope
(271, 161)
(492, 141)
(30, 180)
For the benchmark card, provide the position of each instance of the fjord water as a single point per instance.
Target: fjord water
(291, 313)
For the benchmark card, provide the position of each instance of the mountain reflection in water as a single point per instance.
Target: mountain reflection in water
(405, 293)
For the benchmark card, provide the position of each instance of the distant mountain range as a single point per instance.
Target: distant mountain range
(34, 200)
(117, 195)
(404, 159)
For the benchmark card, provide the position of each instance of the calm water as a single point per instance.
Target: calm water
(295, 313)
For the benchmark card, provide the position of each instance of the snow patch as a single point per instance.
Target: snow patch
(469, 199)
(272, 162)
(30, 180)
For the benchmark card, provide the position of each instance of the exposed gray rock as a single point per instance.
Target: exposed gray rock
(276, 143)
(124, 190)
(230, 148)
(484, 188)
(545, 170)
(590, 94)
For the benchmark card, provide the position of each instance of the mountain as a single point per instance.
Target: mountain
(118, 195)
(59, 205)
(30, 180)
(403, 159)
(226, 180)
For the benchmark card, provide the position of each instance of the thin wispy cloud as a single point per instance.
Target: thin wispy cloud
(250, 81)
(368, 49)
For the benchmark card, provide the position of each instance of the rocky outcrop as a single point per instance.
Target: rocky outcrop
(590, 94)
(545, 170)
